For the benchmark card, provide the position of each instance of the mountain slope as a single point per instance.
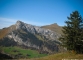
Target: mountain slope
(5, 31)
(54, 27)
(29, 36)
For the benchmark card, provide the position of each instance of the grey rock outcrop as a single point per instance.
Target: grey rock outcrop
(50, 35)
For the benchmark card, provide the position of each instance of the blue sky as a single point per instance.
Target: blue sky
(37, 12)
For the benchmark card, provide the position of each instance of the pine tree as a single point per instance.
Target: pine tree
(72, 37)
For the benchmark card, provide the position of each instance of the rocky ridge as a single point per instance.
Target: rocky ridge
(34, 37)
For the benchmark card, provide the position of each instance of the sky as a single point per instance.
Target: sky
(37, 12)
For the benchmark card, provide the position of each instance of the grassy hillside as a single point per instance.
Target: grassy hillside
(54, 27)
(5, 31)
(61, 56)
(18, 52)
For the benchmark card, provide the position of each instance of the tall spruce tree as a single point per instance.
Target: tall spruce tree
(72, 37)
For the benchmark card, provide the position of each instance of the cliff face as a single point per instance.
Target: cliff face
(29, 36)
(50, 35)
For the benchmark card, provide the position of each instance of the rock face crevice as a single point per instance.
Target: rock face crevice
(30, 36)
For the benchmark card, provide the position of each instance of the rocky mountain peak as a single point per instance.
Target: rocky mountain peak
(33, 36)
(19, 24)
(19, 21)
(37, 30)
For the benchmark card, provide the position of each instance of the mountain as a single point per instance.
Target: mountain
(31, 37)
(54, 27)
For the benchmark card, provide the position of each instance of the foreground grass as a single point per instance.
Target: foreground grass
(34, 55)
(18, 52)
(62, 56)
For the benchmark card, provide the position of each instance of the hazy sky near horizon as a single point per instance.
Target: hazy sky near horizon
(37, 12)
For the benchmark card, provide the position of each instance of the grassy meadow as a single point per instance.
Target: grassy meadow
(18, 52)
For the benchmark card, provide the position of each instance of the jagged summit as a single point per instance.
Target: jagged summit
(35, 29)
(27, 35)
(18, 21)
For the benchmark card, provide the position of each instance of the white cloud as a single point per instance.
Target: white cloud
(6, 22)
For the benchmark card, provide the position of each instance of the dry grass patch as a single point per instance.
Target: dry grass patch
(54, 27)
(5, 31)
(60, 56)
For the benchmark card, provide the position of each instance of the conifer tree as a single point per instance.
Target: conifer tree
(72, 37)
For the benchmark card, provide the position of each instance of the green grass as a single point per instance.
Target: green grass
(34, 55)
(24, 53)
